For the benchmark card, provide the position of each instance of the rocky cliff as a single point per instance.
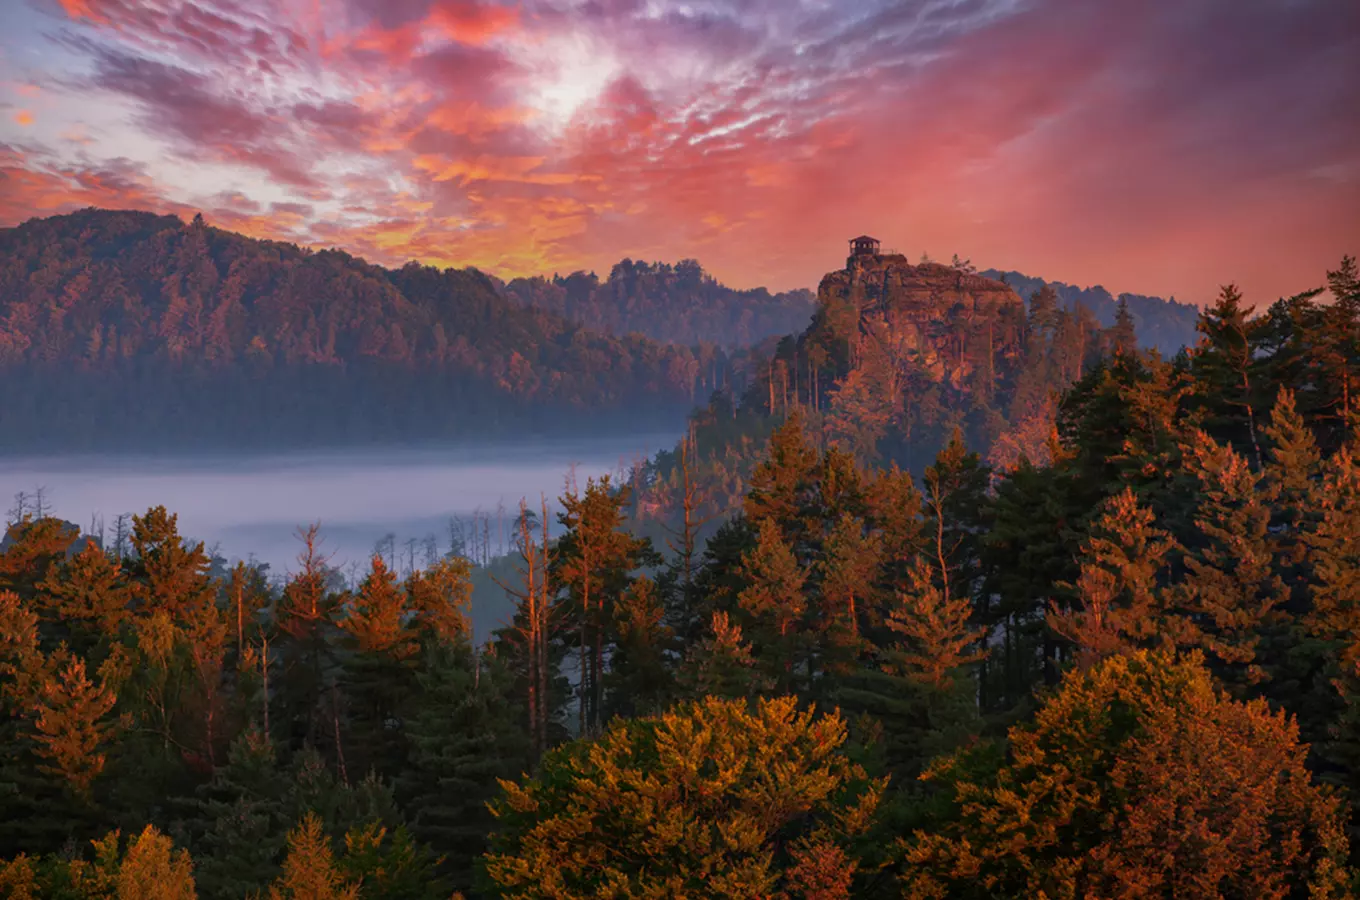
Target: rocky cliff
(951, 321)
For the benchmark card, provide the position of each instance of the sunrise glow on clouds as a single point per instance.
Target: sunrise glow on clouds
(1157, 146)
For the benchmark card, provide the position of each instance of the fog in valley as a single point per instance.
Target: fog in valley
(252, 507)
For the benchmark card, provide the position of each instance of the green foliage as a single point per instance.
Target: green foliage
(467, 734)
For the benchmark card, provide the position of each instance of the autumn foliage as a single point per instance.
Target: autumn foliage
(1140, 778)
(711, 798)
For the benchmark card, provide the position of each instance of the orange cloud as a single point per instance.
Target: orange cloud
(24, 118)
(520, 169)
(469, 23)
(81, 9)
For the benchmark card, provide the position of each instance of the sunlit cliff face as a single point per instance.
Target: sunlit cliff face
(1154, 146)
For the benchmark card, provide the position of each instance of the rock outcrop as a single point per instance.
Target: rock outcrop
(950, 320)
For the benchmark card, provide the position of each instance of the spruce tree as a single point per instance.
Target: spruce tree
(594, 562)
(721, 665)
(1332, 546)
(71, 723)
(465, 736)
(780, 486)
(1231, 590)
(89, 596)
(1123, 336)
(167, 574)
(639, 679)
(306, 618)
(775, 604)
(32, 548)
(1227, 372)
(935, 635)
(239, 821)
(378, 672)
(849, 575)
(1119, 601)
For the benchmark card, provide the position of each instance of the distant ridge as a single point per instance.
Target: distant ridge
(678, 303)
(1162, 324)
(134, 330)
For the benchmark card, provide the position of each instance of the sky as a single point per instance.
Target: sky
(1155, 146)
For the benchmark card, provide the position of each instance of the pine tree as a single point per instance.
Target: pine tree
(1338, 351)
(441, 596)
(1030, 550)
(531, 648)
(956, 510)
(671, 824)
(33, 547)
(1138, 778)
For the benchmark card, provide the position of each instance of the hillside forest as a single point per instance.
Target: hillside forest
(128, 331)
(1122, 661)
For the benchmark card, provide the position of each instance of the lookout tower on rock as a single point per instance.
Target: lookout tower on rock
(863, 246)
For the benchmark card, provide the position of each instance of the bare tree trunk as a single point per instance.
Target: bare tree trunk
(264, 672)
(531, 642)
(542, 672)
(339, 749)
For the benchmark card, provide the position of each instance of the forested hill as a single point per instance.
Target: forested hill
(680, 303)
(1163, 325)
(684, 304)
(135, 329)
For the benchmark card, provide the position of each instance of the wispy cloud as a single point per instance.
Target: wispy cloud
(1145, 145)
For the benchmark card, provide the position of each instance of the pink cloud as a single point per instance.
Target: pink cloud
(1150, 147)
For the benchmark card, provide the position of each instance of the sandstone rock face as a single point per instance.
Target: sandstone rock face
(936, 312)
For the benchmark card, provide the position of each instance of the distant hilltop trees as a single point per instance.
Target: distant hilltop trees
(680, 303)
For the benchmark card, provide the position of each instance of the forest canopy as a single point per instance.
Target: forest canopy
(1129, 668)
